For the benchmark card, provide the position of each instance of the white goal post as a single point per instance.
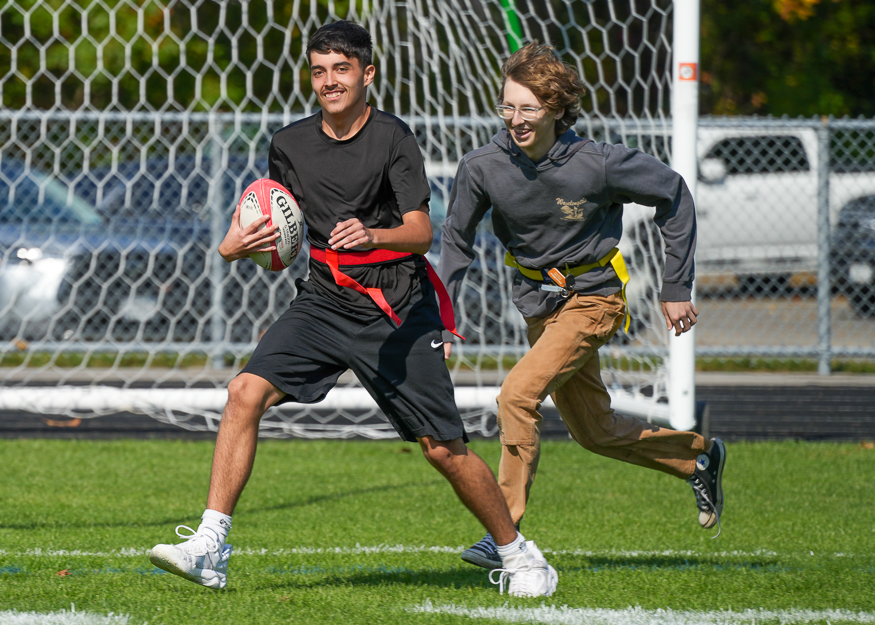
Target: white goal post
(128, 133)
(685, 117)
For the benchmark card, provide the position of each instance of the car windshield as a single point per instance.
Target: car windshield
(31, 196)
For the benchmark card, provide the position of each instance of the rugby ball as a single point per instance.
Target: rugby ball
(266, 197)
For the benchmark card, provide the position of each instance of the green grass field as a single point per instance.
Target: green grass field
(367, 532)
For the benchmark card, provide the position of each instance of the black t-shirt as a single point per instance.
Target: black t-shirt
(376, 176)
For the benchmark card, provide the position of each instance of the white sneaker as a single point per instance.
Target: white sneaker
(200, 559)
(528, 572)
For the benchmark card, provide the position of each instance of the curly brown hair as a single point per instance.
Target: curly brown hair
(538, 67)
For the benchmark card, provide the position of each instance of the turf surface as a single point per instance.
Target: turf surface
(367, 532)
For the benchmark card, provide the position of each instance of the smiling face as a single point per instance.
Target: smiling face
(339, 82)
(535, 137)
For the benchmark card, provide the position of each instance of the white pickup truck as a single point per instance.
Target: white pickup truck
(757, 199)
(757, 209)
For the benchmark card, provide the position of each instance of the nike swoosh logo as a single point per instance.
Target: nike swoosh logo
(436, 344)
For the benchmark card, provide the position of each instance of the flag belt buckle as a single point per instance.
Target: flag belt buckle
(561, 283)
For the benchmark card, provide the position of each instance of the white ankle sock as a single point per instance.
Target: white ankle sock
(216, 523)
(519, 544)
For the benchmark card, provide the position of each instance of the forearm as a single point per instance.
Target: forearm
(414, 235)
(406, 238)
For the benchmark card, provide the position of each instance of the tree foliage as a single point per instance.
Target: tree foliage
(147, 55)
(788, 57)
(768, 57)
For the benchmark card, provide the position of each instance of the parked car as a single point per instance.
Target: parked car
(757, 199)
(39, 225)
(127, 254)
(852, 257)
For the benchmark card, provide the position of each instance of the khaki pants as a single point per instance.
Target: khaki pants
(563, 362)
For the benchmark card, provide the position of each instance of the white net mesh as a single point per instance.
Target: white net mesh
(129, 130)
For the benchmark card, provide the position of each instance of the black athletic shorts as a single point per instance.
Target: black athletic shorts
(403, 368)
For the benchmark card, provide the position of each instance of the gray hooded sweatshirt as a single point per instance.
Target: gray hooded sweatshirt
(567, 208)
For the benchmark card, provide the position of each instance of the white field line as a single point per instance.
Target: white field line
(62, 617)
(129, 552)
(551, 615)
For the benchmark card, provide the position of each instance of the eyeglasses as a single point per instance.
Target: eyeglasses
(528, 113)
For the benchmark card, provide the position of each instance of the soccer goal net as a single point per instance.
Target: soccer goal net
(129, 130)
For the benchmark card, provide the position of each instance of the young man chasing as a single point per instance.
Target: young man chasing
(570, 278)
(369, 306)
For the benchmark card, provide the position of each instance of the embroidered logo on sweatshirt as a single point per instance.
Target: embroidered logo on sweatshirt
(572, 211)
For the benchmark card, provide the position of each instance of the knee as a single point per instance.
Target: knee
(519, 421)
(239, 390)
(441, 454)
(596, 433)
(516, 403)
(249, 397)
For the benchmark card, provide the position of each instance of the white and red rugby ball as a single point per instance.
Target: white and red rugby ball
(266, 197)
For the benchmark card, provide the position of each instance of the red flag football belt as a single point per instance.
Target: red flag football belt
(335, 260)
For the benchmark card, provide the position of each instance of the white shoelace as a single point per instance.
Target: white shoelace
(526, 586)
(210, 543)
(702, 496)
(505, 574)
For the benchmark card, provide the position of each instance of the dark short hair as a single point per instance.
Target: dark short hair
(346, 38)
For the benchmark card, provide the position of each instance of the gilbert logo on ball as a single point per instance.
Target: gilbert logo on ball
(266, 197)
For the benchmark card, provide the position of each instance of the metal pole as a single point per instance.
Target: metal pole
(685, 120)
(217, 233)
(823, 268)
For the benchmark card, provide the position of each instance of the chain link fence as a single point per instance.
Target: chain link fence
(109, 226)
(786, 246)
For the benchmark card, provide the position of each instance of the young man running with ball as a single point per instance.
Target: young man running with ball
(369, 306)
(557, 206)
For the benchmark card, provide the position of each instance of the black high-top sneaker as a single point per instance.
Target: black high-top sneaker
(707, 483)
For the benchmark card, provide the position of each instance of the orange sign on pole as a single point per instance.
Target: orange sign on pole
(687, 71)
